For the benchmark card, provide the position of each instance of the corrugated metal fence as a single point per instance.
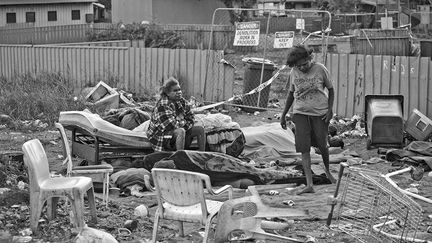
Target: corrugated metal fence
(144, 69)
(358, 75)
(141, 70)
(44, 35)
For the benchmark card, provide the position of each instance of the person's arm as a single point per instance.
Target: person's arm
(168, 121)
(329, 115)
(329, 85)
(288, 103)
(189, 117)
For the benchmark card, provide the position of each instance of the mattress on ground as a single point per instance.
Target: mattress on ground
(104, 130)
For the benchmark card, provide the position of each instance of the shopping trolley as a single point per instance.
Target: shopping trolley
(370, 207)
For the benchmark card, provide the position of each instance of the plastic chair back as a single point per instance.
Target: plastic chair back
(36, 161)
(67, 153)
(180, 188)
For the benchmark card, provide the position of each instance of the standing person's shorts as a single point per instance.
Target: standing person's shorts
(310, 131)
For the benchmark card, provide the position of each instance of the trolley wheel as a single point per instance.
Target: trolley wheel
(368, 144)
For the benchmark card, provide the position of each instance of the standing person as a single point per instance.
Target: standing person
(172, 122)
(312, 108)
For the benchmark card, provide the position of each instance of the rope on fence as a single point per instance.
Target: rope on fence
(253, 91)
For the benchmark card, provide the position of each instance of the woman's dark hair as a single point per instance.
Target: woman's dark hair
(168, 84)
(297, 53)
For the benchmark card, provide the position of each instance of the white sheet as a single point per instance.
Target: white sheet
(269, 141)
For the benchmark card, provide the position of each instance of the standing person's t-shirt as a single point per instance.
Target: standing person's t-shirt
(310, 96)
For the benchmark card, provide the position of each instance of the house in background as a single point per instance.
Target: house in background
(165, 11)
(271, 6)
(39, 13)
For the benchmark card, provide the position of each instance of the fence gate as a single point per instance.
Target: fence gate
(257, 47)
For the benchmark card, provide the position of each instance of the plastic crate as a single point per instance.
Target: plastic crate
(418, 125)
(384, 120)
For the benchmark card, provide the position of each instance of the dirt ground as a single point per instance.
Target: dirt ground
(14, 211)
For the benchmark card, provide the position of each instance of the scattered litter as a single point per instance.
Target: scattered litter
(412, 189)
(124, 231)
(374, 160)
(131, 224)
(21, 185)
(290, 203)
(53, 142)
(310, 239)
(141, 211)
(3, 190)
(256, 113)
(354, 161)
(26, 232)
(135, 190)
(88, 234)
(273, 192)
(22, 239)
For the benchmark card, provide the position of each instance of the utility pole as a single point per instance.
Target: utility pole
(376, 14)
(399, 12)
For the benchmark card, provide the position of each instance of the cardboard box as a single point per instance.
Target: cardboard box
(418, 125)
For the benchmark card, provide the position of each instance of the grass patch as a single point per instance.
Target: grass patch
(29, 97)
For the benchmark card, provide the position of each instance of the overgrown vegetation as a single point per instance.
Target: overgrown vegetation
(29, 97)
(154, 36)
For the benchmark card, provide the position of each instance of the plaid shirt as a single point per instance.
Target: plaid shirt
(168, 116)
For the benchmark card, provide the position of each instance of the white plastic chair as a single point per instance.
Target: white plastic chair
(180, 196)
(43, 188)
(91, 170)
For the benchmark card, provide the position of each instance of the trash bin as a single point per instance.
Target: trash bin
(426, 48)
(251, 80)
(384, 120)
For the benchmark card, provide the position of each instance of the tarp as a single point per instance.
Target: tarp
(223, 168)
(269, 142)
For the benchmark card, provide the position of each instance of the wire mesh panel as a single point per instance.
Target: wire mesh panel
(256, 43)
(373, 210)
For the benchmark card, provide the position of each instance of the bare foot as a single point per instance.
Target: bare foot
(306, 190)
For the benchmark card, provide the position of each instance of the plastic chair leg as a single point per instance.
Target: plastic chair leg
(155, 226)
(92, 204)
(52, 207)
(106, 189)
(208, 226)
(77, 202)
(36, 204)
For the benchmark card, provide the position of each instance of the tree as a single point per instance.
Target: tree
(106, 3)
(346, 6)
(242, 15)
(239, 3)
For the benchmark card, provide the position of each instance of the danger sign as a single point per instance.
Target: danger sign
(283, 39)
(247, 33)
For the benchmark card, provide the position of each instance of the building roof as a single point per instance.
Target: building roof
(26, 2)
(287, 1)
(380, 2)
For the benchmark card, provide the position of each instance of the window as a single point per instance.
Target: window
(52, 15)
(76, 15)
(30, 17)
(10, 18)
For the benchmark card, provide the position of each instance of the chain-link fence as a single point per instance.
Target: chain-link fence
(257, 47)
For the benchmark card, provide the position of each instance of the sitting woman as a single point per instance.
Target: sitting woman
(172, 122)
